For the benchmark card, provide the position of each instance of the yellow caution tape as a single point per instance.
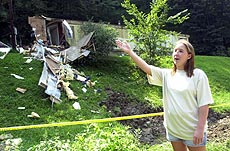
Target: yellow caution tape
(80, 122)
(88, 121)
(220, 105)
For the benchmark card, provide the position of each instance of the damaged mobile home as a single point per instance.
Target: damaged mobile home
(57, 72)
(56, 32)
(52, 48)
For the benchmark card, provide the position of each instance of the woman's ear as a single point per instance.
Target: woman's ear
(189, 56)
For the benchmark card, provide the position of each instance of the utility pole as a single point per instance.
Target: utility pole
(13, 30)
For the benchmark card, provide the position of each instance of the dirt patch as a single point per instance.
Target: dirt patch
(151, 129)
(219, 126)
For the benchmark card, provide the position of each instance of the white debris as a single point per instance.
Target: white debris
(4, 51)
(33, 115)
(84, 90)
(21, 108)
(16, 76)
(76, 106)
(21, 90)
(29, 60)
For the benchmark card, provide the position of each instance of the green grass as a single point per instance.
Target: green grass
(218, 71)
(117, 73)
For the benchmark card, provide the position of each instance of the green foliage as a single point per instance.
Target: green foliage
(147, 29)
(55, 144)
(104, 37)
(3, 14)
(208, 25)
(217, 146)
(109, 138)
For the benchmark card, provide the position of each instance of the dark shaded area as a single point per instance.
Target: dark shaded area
(208, 25)
(151, 129)
(5, 32)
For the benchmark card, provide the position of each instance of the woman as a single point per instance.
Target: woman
(186, 96)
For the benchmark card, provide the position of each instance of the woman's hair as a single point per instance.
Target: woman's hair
(190, 64)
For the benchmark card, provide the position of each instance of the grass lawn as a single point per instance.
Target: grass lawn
(117, 73)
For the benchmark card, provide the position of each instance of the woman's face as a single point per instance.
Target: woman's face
(180, 56)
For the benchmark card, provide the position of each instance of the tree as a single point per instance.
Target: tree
(3, 13)
(208, 25)
(147, 29)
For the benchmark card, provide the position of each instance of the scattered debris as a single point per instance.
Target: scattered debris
(17, 76)
(21, 90)
(56, 70)
(29, 60)
(55, 100)
(33, 115)
(53, 49)
(76, 106)
(84, 80)
(95, 111)
(84, 90)
(68, 91)
(21, 108)
(4, 50)
(97, 91)
(21, 50)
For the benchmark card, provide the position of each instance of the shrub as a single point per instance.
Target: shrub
(104, 38)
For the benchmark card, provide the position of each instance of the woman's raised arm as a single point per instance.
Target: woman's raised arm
(138, 60)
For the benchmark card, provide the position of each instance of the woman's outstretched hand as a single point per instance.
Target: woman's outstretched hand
(139, 62)
(123, 46)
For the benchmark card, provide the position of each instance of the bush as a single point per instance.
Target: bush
(94, 138)
(104, 38)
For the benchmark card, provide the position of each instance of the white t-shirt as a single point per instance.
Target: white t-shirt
(182, 97)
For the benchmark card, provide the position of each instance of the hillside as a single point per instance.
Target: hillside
(120, 90)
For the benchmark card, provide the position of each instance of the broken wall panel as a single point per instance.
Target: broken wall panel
(78, 51)
(55, 31)
(40, 24)
(84, 42)
(74, 53)
(53, 34)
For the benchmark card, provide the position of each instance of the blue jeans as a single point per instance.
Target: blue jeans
(172, 138)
